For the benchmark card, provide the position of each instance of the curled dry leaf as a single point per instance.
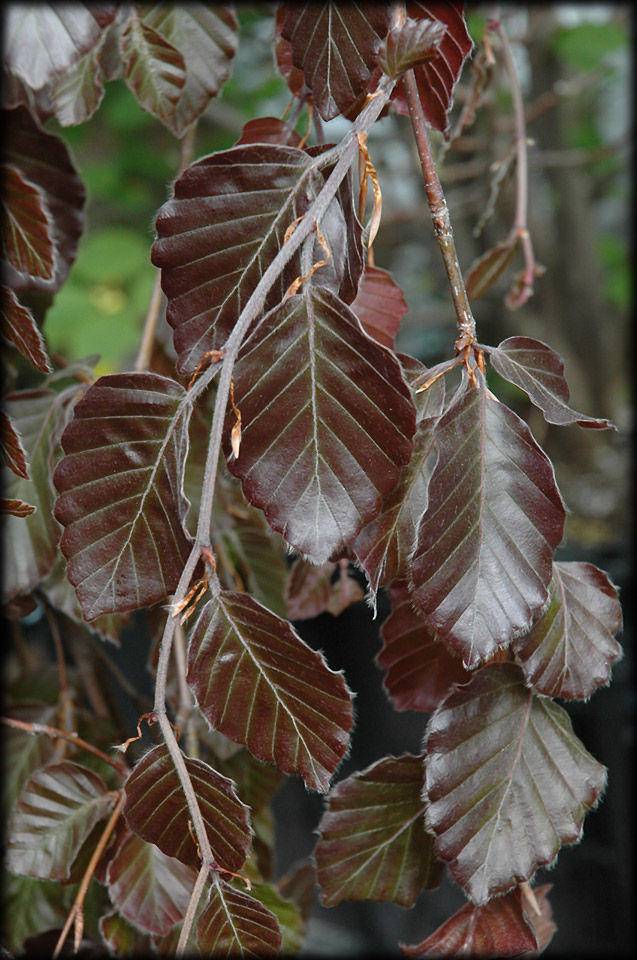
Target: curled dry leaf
(372, 841)
(538, 370)
(235, 924)
(571, 649)
(507, 780)
(412, 43)
(157, 811)
(380, 305)
(120, 487)
(480, 575)
(258, 683)
(20, 329)
(320, 474)
(419, 669)
(505, 927)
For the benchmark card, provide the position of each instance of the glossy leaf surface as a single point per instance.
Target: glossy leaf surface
(45, 161)
(216, 237)
(157, 811)
(120, 492)
(334, 46)
(154, 70)
(259, 684)
(571, 649)
(320, 473)
(539, 371)
(419, 669)
(235, 924)
(372, 841)
(20, 329)
(26, 227)
(149, 889)
(380, 305)
(483, 561)
(44, 40)
(502, 928)
(412, 43)
(487, 269)
(507, 780)
(57, 810)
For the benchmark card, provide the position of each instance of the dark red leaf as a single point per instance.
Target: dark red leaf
(385, 545)
(13, 453)
(571, 649)
(157, 811)
(507, 780)
(154, 70)
(147, 888)
(437, 78)
(501, 928)
(45, 161)
(20, 330)
(412, 43)
(334, 45)
(309, 590)
(419, 669)
(283, 56)
(235, 924)
(487, 269)
(17, 508)
(226, 223)
(268, 130)
(120, 491)
(483, 561)
(59, 592)
(45, 40)
(372, 840)
(57, 810)
(26, 227)
(380, 305)
(319, 474)
(259, 684)
(539, 371)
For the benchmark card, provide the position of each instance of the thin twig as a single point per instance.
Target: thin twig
(88, 876)
(191, 910)
(66, 705)
(184, 720)
(440, 217)
(71, 737)
(345, 154)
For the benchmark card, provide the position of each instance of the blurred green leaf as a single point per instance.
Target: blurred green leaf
(586, 45)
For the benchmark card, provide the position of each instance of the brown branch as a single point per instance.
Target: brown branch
(66, 705)
(71, 737)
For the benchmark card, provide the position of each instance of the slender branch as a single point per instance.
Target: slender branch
(345, 153)
(71, 737)
(66, 705)
(191, 910)
(440, 217)
(184, 718)
(88, 876)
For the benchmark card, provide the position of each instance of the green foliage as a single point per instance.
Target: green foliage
(588, 46)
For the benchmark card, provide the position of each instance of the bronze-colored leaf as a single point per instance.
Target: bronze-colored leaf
(487, 269)
(372, 840)
(380, 305)
(269, 130)
(235, 924)
(26, 227)
(20, 329)
(412, 43)
(154, 70)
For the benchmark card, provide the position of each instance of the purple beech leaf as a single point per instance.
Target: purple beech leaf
(372, 841)
(154, 70)
(57, 810)
(385, 545)
(30, 544)
(430, 403)
(319, 473)
(505, 927)
(287, 914)
(21, 331)
(24, 752)
(59, 592)
(45, 40)
(334, 46)
(224, 225)
(17, 508)
(437, 77)
(157, 811)
(236, 924)
(412, 43)
(507, 780)
(120, 487)
(258, 683)
(147, 888)
(487, 269)
(309, 590)
(283, 58)
(268, 130)
(76, 96)
(120, 937)
(419, 669)
(380, 305)
(26, 227)
(13, 452)
(539, 371)
(483, 561)
(205, 36)
(570, 650)
(45, 161)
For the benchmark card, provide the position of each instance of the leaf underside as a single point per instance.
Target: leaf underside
(508, 782)
(26, 227)
(235, 924)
